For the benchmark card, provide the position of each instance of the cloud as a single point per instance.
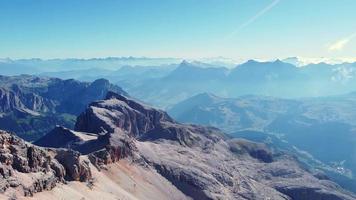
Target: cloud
(343, 74)
(341, 43)
(253, 18)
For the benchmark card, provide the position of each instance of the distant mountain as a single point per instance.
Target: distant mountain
(80, 74)
(294, 61)
(303, 125)
(184, 81)
(31, 106)
(126, 76)
(172, 80)
(197, 72)
(10, 67)
(277, 78)
(36, 66)
(252, 71)
(303, 61)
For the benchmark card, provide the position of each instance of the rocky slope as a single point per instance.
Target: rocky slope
(31, 172)
(200, 162)
(31, 106)
(26, 169)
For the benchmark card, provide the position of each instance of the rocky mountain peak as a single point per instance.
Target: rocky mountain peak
(123, 115)
(120, 112)
(201, 162)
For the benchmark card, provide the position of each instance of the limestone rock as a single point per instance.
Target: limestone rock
(76, 169)
(43, 168)
(202, 162)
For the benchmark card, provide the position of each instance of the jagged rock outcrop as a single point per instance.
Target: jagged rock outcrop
(76, 169)
(114, 147)
(201, 162)
(28, 169)
(125, 114)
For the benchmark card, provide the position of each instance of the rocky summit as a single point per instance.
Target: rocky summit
(124, 149)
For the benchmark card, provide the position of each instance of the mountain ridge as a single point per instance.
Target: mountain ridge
(201, 162)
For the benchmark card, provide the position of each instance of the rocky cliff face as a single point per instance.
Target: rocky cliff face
(118, 112)
(201, 162)
(26, 169)
(14, 99)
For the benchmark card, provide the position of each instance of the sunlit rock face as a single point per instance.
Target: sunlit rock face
(201, 162)
(28, 169)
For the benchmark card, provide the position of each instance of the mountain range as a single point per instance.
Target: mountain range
(273, 132)
(277, 78)
(121, 148)
(175, 80)
(34, 66)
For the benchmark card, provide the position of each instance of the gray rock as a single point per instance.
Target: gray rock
(46, 167)
(202, 162)
(76, 169)
(45, 182)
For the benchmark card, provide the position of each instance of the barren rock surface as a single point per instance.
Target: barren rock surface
(201, 162)
(141, 153)
(26, 169)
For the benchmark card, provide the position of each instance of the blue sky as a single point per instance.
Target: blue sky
(239, 29)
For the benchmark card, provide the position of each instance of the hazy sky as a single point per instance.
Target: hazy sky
(177, 28)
